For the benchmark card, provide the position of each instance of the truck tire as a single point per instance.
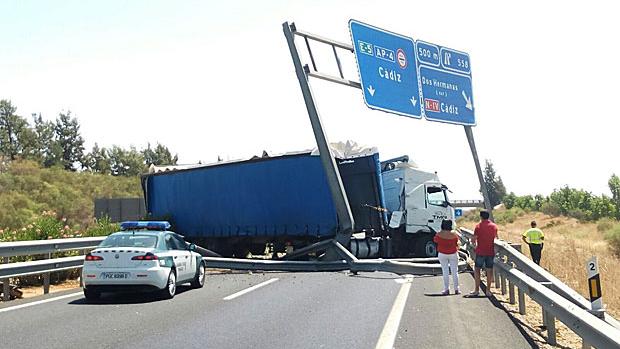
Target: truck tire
(425, 247)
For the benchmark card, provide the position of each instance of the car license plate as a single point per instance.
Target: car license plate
(114, 275)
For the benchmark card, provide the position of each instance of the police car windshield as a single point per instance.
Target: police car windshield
(129, 240)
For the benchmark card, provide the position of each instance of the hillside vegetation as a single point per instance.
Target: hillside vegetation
(569, 243)
(27, 190)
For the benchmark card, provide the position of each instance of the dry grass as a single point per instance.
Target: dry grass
(568, 245)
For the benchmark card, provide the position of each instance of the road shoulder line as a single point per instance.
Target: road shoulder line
(25, 305)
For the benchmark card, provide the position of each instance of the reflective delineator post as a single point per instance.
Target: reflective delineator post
(594, 285)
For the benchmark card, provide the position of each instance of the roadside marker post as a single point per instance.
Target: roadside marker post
(594, 286)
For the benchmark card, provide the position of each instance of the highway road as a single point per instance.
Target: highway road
(267, 310)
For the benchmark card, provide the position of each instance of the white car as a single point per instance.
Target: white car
(143, 256)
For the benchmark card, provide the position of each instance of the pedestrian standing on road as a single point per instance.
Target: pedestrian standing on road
(535, 238)
(447, 242)
(484, 237)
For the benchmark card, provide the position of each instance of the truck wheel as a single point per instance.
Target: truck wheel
(199, 279)
(425, 247)
(430, 249)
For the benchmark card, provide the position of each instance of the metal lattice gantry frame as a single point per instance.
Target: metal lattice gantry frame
(304, 71)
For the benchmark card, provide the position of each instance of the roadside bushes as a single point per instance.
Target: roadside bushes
(26, 189)
(576, 203)
(47, 226)
(613, 239)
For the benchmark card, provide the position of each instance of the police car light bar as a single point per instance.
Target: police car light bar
(148, 225)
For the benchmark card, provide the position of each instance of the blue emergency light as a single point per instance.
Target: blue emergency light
(148, 225)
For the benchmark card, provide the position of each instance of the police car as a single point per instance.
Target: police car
(143, 256)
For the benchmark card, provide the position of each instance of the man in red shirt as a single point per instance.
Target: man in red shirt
(484, 237)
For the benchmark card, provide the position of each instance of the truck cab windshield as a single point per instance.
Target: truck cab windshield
(437, 196)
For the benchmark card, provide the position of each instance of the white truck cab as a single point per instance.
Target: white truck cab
(417, 203)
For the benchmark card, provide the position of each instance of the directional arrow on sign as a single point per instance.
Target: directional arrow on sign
(413, 101)
(371, 90)
(467, 101)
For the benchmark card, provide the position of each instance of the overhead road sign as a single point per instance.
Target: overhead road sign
(388, 69)
(445, 78)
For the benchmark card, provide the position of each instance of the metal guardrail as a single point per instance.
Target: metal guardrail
(556, 298)
(43, 266)
(34, 247)
(39, 267)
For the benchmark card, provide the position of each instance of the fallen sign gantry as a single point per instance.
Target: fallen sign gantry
(413, 266)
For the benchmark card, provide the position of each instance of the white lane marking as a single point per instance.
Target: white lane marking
(249, 289)
(388, 335)
(25, 305)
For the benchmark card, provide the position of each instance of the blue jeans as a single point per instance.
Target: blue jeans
(484, 262)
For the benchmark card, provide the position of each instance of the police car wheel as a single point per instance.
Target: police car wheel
(199, 279)
(170, 289)
(91, 294)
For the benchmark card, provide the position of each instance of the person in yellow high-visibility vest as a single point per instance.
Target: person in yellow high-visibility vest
(535, 238)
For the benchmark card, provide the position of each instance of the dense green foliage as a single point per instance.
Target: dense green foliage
(27, 189)
(571, 202)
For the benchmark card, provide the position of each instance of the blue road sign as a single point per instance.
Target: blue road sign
(445, 77)
(458, 212)
(388, 69)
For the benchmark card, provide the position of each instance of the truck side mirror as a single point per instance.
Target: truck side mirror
(192, 247)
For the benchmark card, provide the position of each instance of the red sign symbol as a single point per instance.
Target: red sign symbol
(401, 58)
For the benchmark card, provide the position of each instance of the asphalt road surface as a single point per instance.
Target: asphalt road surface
(267, 310)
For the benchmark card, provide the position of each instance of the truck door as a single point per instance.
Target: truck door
(438, 206)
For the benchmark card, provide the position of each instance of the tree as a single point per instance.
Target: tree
(70, 141)
(47, 151)
(614, 187)
(126, 162)
(159, 156)
(16, 137)
(495, 186)
(98, 160)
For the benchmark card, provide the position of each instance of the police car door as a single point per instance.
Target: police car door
(185, 258)
(174, 253)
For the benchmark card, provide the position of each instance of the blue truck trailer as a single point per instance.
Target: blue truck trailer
(284, 203)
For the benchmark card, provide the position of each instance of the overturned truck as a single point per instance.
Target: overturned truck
(283, 203)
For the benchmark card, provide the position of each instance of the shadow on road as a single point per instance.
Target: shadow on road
(126, 298)
(439, 294)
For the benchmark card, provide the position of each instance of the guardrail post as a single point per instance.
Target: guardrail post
(511, 292)
(6, 287)
(549, 320)
(521, 295)
(496, 276)
(503, 283)
(46, 279)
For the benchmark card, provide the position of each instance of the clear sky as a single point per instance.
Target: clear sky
(210, 78)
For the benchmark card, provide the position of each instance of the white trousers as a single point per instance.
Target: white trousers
(451, 260)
